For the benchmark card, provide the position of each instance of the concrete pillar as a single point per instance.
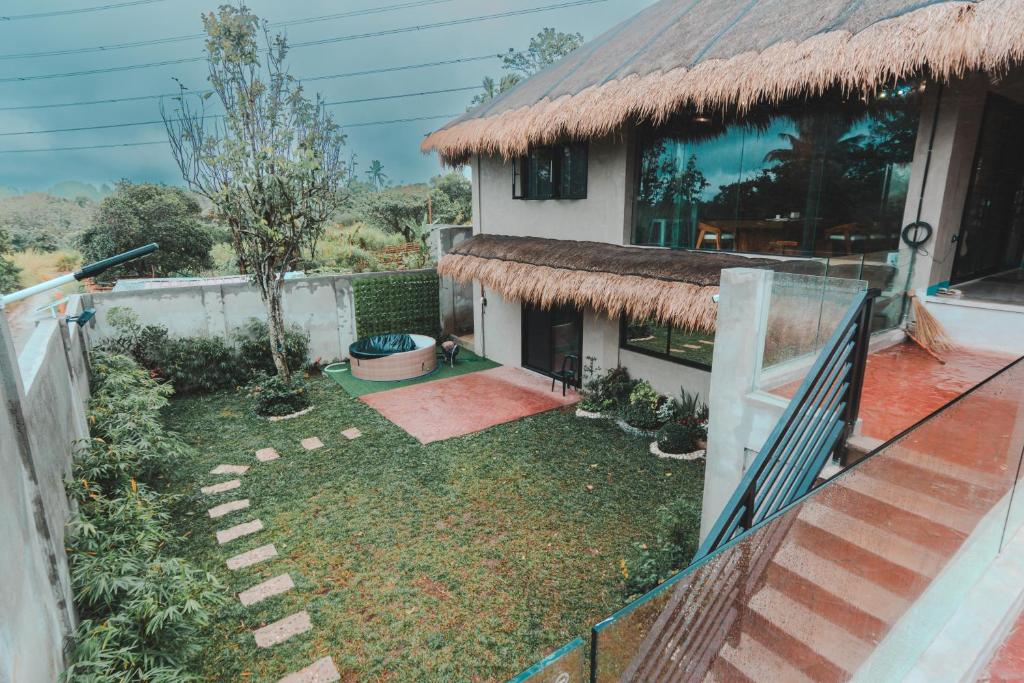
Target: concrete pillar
(739, 346)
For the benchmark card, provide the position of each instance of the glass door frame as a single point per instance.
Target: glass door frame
(551, 347)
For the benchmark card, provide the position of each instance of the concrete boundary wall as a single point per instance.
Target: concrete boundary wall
(44, 393)
(323, 306)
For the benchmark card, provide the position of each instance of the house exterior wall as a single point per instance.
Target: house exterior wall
(601, 217)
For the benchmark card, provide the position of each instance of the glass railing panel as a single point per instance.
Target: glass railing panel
(857, 578)
(803, 312)
(568, 664)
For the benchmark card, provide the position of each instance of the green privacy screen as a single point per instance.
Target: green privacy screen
(400, 304)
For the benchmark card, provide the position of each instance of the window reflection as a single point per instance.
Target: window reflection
(824, 178)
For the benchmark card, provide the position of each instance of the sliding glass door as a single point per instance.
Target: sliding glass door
(551, 335)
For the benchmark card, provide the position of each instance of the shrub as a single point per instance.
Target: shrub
(253, 347)
(195, 365)
(640, 415)
(648, 565)
(678, 438)
(274, 397)
(141, 609)
(607, 393)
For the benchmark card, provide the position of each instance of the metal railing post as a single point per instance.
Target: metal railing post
(859, 360)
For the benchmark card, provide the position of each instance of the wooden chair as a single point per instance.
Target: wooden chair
(716, 232)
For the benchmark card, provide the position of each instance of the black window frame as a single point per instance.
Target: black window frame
(667, 355)
(564, 184)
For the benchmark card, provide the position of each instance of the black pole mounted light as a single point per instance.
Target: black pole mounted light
(91, 270)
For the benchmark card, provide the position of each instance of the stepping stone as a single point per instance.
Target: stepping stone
(320, 671)
(267, 589)
(221, 510)
(230, 469)
(705, 341)
(352, 433)
(267, 454)
(247, 559)
(312, 443)
(691, 346)
(222, 487)
(239, 530)
(282, 630)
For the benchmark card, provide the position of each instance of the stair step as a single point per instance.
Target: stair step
(875, 568)
(848, 600)
(938, 485)
(877, 540)
(752, 661)
(916, 503)
(920, 532)
(806, 638)
(935, 464)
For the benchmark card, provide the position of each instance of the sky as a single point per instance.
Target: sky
(395, 145)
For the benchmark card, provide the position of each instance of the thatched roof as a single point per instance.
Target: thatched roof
(713, 55)
(674, 287)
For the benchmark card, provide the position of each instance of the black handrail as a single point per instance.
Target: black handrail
(815, 425)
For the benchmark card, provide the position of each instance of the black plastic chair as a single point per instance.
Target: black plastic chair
(567, 375)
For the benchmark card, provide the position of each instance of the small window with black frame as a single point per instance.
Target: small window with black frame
(688, 347)
(552, 172)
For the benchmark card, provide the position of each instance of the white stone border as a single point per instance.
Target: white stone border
(694, 455)
(588, 415)
(279, 418)
(634, 431)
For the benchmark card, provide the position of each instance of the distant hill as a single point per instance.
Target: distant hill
(36, 218)
(73, 189)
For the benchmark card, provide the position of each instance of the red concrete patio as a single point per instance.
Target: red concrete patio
(455, 406)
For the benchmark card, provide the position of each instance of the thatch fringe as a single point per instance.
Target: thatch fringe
(944, 40)
(669, 302)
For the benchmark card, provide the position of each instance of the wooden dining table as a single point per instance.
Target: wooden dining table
(757, 235)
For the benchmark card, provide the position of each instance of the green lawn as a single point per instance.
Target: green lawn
(467, 559)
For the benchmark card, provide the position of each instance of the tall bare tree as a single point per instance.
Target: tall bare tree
(271, 164)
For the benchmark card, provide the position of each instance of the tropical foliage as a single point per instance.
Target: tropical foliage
(141, 607)
(545, 48)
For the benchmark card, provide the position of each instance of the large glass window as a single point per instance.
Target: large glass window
(826, 177)
(670, 343)
(553, 172)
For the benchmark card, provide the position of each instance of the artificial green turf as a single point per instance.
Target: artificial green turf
(467, 559)
(466, 363)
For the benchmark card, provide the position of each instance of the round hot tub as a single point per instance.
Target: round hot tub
(393, 357)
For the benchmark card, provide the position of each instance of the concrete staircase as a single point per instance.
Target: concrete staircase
(855, 558)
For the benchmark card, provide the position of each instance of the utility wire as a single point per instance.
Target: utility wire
(81, 10)
(133, 124)
(322, 41)
(349, 74)
(164, 142)
(196, 36)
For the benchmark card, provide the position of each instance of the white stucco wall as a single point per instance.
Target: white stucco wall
(601, 217)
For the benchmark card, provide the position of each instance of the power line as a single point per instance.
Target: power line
(350, 74)
(81, 10)
(164, 142)
(323, 41)
(196, 36)
(134, 124)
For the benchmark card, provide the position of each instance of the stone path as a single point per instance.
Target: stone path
(226, 508)
(321, 671)
(239, 530)
(221, 487)
(267, 589)
(352, 433)
(283, 629)
(230, 469)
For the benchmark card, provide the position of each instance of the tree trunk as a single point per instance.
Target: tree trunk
(275, 326)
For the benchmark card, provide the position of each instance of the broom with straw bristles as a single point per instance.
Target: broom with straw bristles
(928, 332)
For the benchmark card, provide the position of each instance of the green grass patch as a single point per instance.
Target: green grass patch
(466, 363)
(467, 559)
